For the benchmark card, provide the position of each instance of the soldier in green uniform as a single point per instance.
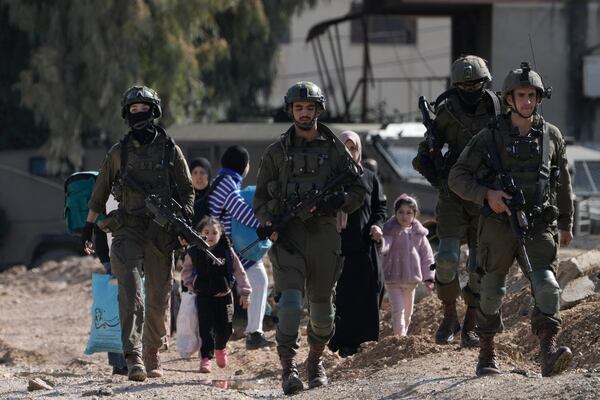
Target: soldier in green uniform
(306, 254)
(460, 113)
(531, 151)
(140, 247)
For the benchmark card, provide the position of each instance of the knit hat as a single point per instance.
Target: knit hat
(200, 162)
(235, 158)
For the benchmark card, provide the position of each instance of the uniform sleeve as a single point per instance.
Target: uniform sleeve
(267, 172)
(462, 178)
(241, 279)
(183, 180)
(564, 190)
(378, 204)
(104, 181)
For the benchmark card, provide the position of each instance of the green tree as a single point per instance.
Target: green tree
(18, 129)
(253, 29)
(86, 53)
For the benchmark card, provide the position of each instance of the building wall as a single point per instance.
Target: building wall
(513, 24)
(547, 24)
(297, 62)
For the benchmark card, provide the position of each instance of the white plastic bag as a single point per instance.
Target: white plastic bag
(188, 336)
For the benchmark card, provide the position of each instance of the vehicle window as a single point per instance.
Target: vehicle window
(403, 157)
(582, 175)
(594, 168)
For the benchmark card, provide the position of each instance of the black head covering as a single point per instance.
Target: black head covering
(201, 162)
(235, 158)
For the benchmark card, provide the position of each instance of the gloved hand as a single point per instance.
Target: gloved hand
(86, 236)
(331, 203)
(264, 232)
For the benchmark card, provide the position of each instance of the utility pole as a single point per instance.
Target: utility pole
(365, 68)
(577, 24)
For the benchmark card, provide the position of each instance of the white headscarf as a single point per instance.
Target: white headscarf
(342, 217)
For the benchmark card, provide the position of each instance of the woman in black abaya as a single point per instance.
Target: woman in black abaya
(360, 284)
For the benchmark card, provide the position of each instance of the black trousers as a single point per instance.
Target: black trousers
(215, 317)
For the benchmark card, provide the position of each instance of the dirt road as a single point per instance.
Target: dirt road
(45, 320)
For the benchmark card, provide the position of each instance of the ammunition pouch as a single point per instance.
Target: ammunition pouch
(113, 222)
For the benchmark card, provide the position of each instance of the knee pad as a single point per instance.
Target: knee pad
(491, 293)
(546, 291)
(321, 318)
(290, 311)
(446, 263)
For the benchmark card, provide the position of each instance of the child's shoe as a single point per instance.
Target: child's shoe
(221, 356)
(205, 365)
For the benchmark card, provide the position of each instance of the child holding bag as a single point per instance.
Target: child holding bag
(407, 257)
(212, 284)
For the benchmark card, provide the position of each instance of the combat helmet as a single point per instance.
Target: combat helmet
(304, 91)
(469, 69)
(524, 77)
(141, 94)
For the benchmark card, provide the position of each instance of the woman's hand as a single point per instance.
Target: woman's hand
(244, 302)
(376, 233)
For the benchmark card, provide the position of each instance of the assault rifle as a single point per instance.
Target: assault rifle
(171, 221)
(519, 223)
(435, 147)
(302, 208)
(171, 218)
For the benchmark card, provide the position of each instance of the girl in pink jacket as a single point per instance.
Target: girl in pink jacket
(407, 257)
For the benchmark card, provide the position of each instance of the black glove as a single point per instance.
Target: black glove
(331, 203)
(86, 234)
(264, 232)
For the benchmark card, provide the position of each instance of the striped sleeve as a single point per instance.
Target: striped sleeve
(240, 210)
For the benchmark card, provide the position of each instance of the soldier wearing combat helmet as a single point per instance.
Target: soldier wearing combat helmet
(145, 162)
(306, 254)
(524, 155)
(460, 113)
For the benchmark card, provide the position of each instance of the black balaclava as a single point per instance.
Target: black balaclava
(235, 158)
(470, 100)
(142, 126)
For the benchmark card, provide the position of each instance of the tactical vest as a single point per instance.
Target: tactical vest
(304, 167)
(467, 125)
(148, 166)
(527, 161)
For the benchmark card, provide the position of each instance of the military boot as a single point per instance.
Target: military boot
(487, 357)
(135, 368)
(152, 362)
(450, 325)
(315, 371)
(290, 381)
(554, 359)
(468, 337)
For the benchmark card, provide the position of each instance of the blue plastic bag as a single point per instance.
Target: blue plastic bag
(105, 333)
(242, 235)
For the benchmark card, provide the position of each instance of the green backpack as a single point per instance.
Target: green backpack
(78, 190)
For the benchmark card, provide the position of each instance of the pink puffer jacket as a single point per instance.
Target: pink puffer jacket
(406, 253)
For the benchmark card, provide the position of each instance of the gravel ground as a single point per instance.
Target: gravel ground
(45, 319)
